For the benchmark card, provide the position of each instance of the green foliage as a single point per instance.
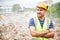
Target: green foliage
(55, 10)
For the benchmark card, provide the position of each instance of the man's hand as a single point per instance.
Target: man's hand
(45, 31)
(50, 34)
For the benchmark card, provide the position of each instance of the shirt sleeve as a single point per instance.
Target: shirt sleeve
(51, 25)
(31, 22)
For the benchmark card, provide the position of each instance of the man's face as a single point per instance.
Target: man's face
(40, 11)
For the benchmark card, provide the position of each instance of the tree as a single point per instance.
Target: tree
(16, 8)
(0, 8)
(55, 10)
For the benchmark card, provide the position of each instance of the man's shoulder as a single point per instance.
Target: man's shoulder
(31, 19)
(31, 22)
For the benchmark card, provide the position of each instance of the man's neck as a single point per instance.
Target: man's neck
(41, 18)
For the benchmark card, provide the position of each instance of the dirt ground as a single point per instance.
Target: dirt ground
(15, 27)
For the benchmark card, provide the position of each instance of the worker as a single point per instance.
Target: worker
(41, 28)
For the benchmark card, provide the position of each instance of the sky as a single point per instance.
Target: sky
(23, 3)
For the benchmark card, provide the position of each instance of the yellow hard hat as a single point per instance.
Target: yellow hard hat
(43, 5)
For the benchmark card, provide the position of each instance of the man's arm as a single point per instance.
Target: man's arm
(37, 33)
(50, 34)
(51, 31)
(33, 31)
